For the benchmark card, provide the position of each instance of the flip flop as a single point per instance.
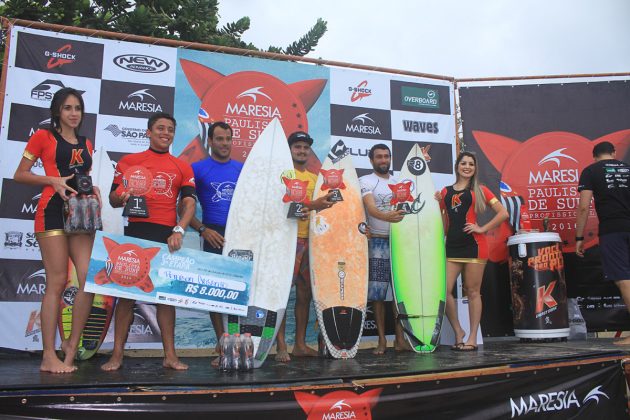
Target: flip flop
(456, 346)
(466, 347)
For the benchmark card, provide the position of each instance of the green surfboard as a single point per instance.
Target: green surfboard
(418, 258)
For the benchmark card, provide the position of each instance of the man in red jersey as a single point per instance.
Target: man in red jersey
(171, 178)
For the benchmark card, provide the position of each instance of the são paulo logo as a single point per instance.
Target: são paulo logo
(141, 63)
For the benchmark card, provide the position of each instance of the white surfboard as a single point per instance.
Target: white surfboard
(338, 253)
(258, 229)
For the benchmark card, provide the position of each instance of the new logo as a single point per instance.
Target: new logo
(141, 63)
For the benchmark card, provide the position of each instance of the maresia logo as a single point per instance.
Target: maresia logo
(360, 122)
(135, 100)
(25, 120)
(545, 170)
(22, 280)
(249, 100)
(420, 97)
(19, 201)
(338, 404)
(59, 55)
(141, 63)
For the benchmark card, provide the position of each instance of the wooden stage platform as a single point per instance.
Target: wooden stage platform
(503, 379)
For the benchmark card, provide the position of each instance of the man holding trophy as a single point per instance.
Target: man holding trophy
(148, 185)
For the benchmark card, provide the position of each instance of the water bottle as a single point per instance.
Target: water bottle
(247, 352)
(225, 353)
(526, 223)
(236, 352)
(95, 213)
(84, 213)
(73, 219)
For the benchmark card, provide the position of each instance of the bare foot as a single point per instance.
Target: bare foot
(69, 353)
(215, 362)
(402, 345)
(304, 351)
(622, 342)
(53, 365)
(380, 348)
(174, 364)
(114, 363)
(282, 356)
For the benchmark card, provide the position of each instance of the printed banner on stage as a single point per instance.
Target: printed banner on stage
(533, 139)
(142, 270)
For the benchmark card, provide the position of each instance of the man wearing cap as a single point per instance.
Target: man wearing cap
(608, 182)
(215, 179)
(300, 144)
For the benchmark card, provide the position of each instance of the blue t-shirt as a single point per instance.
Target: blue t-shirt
(215, 182)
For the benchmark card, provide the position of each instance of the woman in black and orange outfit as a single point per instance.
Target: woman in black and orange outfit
(64, 155)
(466, 246)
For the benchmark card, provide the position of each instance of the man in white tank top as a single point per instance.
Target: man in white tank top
(377, 201)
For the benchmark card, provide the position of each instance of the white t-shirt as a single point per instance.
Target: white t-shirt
(378, 187)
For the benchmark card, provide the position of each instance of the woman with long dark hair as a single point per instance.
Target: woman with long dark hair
(466, 246)
(65, 156)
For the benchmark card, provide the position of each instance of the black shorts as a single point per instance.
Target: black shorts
(209, 248)
(615, 253)
(149, 231)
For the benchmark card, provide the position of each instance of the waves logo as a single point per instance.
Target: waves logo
(127, 265)
(60, 57)
(338, 405)
(248, 101)
(545, 170)
(360, 91)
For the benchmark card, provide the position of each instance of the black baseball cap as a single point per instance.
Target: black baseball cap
(300, 136)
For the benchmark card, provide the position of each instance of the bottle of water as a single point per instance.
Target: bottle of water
(95, 213)
(84, 212)
(73, 219)
(247, 352)
(236, 352)
(225, 359)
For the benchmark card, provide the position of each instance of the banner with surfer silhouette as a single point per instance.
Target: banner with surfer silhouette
(533, 138)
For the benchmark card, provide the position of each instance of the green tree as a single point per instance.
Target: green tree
(185, 20)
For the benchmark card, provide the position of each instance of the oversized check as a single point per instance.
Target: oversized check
(143, 270)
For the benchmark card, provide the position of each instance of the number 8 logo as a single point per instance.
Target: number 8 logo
(416, 166)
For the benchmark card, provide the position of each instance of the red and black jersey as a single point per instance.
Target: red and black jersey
(170, 177)
(460, 209)
(59, 158)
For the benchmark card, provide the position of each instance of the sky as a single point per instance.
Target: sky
(457, 38)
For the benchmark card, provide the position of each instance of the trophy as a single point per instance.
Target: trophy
(401, 196)
(296, 194)
(84, 184)
(138, 181)
(333, 182)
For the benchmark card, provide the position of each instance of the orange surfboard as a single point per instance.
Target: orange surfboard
(339, 256)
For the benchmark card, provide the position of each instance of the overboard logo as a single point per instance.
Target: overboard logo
(360, 91)
(420, 97)
(554, 401)
(141, 63)
(338, 405)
